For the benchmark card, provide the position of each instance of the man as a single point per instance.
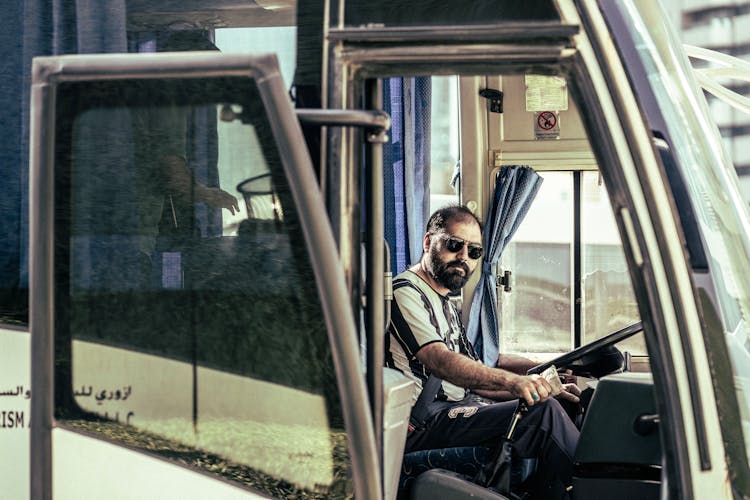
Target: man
(167, 186)
(426, 337)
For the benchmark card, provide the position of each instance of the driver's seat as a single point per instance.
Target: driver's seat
(465, 460)
(461, 463)
(447, 485)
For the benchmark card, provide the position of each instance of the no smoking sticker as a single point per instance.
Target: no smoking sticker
(546, 125)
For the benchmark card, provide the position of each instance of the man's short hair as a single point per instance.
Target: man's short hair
(439, 220)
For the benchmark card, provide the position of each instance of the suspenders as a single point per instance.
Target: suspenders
(420, 412)
(431, 387)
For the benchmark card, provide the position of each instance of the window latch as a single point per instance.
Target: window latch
(495, 97)
(503, 280)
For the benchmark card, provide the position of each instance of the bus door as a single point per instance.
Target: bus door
(599, 257)
(192, 335)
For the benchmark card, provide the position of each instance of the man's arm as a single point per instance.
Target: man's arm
(465, 372)
(515, 363)
(495, 395)
(180, 181)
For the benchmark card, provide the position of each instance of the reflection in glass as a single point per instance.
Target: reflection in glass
(536, 316)
(608, 301)
(201, 340)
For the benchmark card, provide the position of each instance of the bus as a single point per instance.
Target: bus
(212, 243)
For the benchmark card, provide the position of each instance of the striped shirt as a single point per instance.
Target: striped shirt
(421, 316)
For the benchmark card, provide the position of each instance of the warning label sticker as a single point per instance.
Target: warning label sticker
(546, 125)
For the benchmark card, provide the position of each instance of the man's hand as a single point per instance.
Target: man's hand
(180, 181)
(570, 393)
(217, 198)
(531, 388)
(570, 390)
(566, 376)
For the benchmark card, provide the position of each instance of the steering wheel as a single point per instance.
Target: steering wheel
(596, 359)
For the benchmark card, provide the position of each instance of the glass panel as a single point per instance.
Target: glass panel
(608, 300)
(281, 40)
(536, 316)
(712, 187)
(444, 141)
(181, 328)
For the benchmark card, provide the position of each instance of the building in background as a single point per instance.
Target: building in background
(724, 26)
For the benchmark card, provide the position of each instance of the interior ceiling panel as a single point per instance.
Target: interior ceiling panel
(146, 15)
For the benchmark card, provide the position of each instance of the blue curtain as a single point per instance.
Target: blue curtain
(406, 166)
(33, 28)
(203, 159)
(515, 189)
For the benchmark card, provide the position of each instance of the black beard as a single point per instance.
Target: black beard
(446, 273)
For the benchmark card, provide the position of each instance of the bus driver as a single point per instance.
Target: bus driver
(426, 337)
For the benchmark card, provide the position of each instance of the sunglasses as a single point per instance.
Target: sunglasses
(454, 244)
